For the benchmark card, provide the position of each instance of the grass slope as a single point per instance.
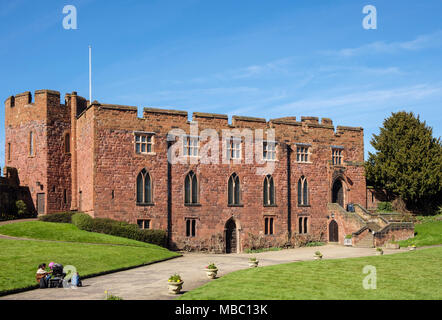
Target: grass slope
(62, 232)
(427, 233)
(19, 258)
(409, 275)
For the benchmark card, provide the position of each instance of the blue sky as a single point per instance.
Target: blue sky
(257, 58)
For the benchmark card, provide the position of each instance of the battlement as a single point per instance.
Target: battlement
(314, 120)
(169, 112)
(215, 120)
(21, 107)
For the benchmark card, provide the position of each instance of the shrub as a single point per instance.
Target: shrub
(18, 210)
(385, 206)
(21, 208)
(62, 217)
(6, 217)
(119, 229)
(82, 221)
(314, 244)
(110, 296)
(158, 237)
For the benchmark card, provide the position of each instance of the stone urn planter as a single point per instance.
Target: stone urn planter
(211, 273)
(211, 270)
(379, 252)
(318, 255)
(412, 248)
(175, 284)
(253, 263)
(348, 242)
(175, 287)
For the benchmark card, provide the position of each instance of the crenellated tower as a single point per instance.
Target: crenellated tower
(38, 143)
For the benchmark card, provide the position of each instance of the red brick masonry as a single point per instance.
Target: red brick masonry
(99, 172)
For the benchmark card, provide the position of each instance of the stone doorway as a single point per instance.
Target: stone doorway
(338, 193)
(231, 236)
(333, 234)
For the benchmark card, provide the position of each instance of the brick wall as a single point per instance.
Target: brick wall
(86, 161)
(117, 166)
(22, 117)
(58, 161)
(400, 231)
(47, 170)
(100, 172)
(348, 222)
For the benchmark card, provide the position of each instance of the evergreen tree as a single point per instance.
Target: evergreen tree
(408, 161)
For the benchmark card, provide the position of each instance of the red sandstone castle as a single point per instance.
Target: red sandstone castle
(103, 160)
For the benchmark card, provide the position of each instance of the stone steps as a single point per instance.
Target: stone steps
(366, 242)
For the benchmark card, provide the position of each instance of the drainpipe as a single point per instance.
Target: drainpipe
(73, 147)
(169, 198)
(289, 192)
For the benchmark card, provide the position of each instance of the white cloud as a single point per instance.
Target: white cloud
(363, 99)
(188, 96)
(276, 66)
(421, 42)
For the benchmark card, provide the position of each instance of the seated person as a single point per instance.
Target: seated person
(42, 273)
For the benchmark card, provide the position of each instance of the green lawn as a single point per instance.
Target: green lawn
(63, 232)
(428, 233)
(19, 259)
(409, 275)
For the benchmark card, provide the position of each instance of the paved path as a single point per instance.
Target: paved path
(150, 282)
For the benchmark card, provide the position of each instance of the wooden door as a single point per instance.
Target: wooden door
(231, 240)
(333, 232)
(40, 203)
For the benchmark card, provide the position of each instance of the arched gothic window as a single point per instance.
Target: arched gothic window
(144, 187)
(234, 190)
(191, 188)
(302, 191)
(269, 190)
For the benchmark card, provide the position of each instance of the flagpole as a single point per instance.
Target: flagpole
(90, 74)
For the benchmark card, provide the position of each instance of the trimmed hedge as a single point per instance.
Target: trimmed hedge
(119, 229)
(83, 221)
(63, 217)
